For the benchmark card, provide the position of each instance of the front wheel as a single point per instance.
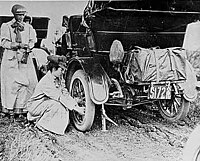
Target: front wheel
(79, 90)
(191, 150)
(175, 109)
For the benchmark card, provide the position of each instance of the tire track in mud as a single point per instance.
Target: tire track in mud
(156, 128)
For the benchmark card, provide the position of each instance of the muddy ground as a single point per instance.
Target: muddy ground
(140, 136)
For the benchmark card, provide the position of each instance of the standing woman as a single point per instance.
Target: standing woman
(18, 77)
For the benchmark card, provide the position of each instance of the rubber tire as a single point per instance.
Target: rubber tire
(88, 118)
(184, 109)
(191, 151)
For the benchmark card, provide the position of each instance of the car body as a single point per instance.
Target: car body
(91, 75)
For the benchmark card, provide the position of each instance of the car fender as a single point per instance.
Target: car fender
(190, 85)
(97, 77)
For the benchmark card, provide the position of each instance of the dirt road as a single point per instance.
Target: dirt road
(140, 136)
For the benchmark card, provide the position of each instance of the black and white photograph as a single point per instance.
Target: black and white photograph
(100, 80)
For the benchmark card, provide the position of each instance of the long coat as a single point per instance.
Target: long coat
(17, 80)
(45, 105)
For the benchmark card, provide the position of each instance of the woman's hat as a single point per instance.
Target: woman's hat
(18, 9)
(58, 60)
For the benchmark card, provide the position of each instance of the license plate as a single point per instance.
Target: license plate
(160, 91)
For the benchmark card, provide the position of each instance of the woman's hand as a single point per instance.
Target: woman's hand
(80, 110)
(24, 46)
(64, 91)
(14, 45)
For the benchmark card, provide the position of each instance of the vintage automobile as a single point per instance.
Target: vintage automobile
(103, 67)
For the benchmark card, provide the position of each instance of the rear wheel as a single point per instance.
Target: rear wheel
(175, 109)
(79, 90)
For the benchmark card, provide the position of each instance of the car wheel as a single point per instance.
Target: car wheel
(175, 109)
(79, 89)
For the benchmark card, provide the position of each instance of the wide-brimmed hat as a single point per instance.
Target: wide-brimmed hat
(58, 60)
(18, 9)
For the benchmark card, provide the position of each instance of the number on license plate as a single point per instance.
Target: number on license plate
(160, 91)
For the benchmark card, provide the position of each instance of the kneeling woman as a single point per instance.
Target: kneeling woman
(50, 104)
